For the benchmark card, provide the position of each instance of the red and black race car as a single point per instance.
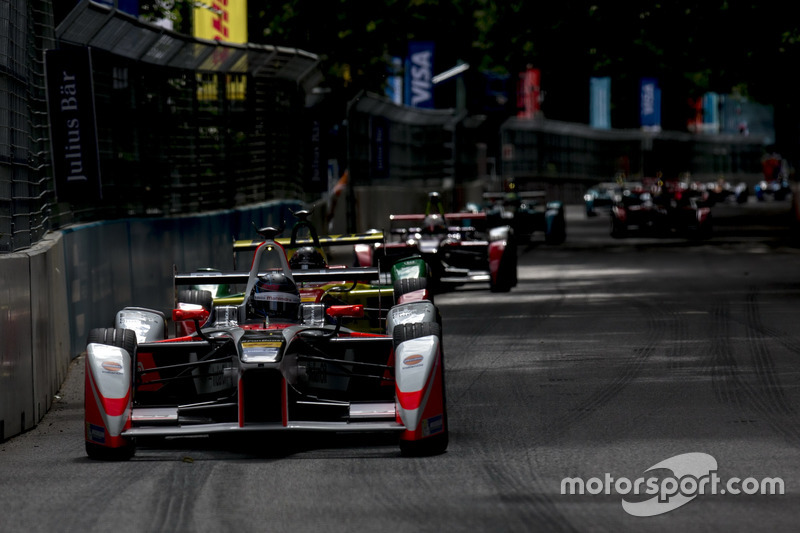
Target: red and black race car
(456, 247)
(270, 363)
(661, 208)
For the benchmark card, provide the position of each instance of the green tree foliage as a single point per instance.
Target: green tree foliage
(690, 46)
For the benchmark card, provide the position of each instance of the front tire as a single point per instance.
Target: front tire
(436, 444)
(125, 339)
(103, 453)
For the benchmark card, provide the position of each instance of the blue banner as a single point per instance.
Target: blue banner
(650, 104)
(711, 113)
(419, 74)
(394, 81)
(600, 104)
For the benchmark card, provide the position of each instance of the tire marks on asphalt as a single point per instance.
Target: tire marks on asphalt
(658, 323)
(752, 384)
(763, 362)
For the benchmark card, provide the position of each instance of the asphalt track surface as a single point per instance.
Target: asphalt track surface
(610, 357)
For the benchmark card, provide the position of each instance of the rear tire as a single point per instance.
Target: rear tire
(197, 297)
(125, 339)
(119, 337)
(506, 272)
(619, 229)
(438, 443)
(557, 232)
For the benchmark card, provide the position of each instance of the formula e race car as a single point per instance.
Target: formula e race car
(600, 198)
(778, 189)
(270, 363)
(722, 191)
(453, 249)
(661, 208)
(305, 250)
(527, 213)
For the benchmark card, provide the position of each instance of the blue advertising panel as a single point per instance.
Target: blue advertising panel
(394, 82)
(419, 74)
(600, 104)
(711, 113)
(650, 104)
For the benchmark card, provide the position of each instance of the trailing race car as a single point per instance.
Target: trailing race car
(600, 197)
(661, 208)
(451, 248)
(527, 213)
(270, 363)
(305, 250)
(778, 189)
(722, 191)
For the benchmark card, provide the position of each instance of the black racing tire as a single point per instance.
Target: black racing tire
(558, 231)
(197, 297)
(506, 272)
(119, 337)
(125, 339)
(619, 229)
(705, 230)
(102, 453)
(404, 332)
(407, 285)
(437, 444)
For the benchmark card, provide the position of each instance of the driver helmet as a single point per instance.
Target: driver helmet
(275, 296)
(307, 258)
(434, 224)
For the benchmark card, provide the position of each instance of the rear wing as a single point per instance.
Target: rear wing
(300, 276)
(447, 216)
(524, 195)
(324, 240)
(452, 220)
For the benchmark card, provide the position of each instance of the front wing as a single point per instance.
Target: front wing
(145, 396)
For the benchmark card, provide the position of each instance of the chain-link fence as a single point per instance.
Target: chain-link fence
(26, 191)
(186, 125)
(181, 125)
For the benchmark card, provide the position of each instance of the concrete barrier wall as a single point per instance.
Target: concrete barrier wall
(16, 365)
(116, 264)
(34, 333)
(76, 280)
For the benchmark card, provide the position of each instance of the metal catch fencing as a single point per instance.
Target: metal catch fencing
(26, 191)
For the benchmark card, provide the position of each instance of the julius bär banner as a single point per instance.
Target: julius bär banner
(73, 129)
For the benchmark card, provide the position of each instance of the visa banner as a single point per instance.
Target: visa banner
(650, 104)
(419, 74)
